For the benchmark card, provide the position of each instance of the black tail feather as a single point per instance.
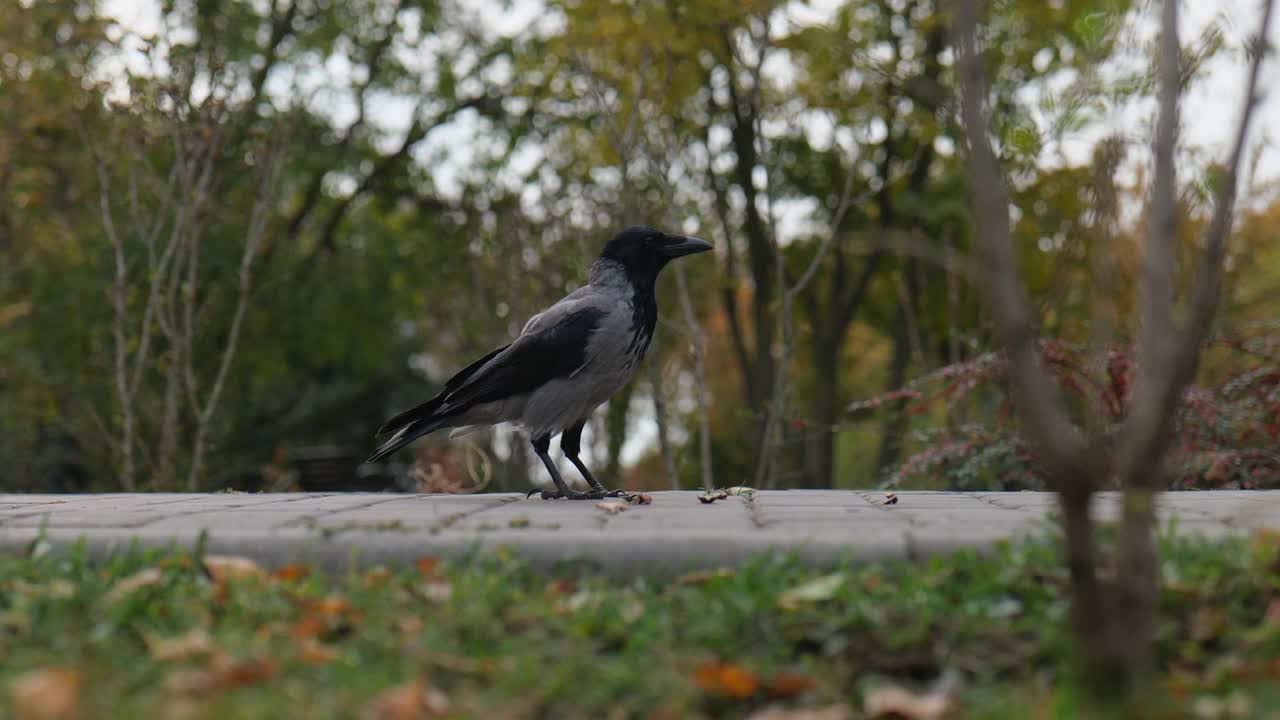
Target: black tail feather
(406, 434)
(409, 426)
(419, 413)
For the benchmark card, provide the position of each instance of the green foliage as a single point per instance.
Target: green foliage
(151, 632)
(1224, 434)
(439, 182)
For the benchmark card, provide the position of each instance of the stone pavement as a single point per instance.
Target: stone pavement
(674, 533)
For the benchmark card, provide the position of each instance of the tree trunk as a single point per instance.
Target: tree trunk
(895, 421)
(820, 457)
(1113, 618)
(615, 423)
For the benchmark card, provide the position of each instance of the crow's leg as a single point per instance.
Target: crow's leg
(540, 445)
(571, 444)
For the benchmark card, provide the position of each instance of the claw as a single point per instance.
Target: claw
(556, 495)
(602, 494)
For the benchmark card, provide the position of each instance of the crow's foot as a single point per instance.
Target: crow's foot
(556, 495)
(601, 494)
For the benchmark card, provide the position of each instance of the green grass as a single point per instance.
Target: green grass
(499, 640)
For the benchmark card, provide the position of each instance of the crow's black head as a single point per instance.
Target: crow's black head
(644, 250)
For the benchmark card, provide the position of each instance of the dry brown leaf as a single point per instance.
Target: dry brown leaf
(613, 507)
(334, 606)
(314, 652)
(411, 701)
(308, 627)
(817, 590)
(789, 685)
(1207, 623)
(640, 498)
(437, 591)
(561, 587)
(290, 573)
(726, 680)
(697, 577)
(891, 701)
(225, 568)
(223, 672)
(409, 625)
(242, 673)
(46, 694)
(377, 576)
(136, 581)
(193, 643)
(427, 566)
(192, 681)
(834, 712)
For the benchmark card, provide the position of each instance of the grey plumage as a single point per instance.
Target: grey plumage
(566, 362)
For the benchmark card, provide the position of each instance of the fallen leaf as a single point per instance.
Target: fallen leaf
(136, 581)
(290, 573)
(816, 590)
(46, 694)
(180, 647)
(224, 672)
(788, 685)
(410, 625)
(328, 617)
(225, 568)
(740, 490)
(427, 566)
(613, 507)
(377, 576)
(896, 702)
(314, 652)
(411, 701)
(560, 587)
(640, 498)
(580, 600)
(726, 680)
(192, 681)
(334, 606)
(308, 626)
(1207, 623)
(834, 712)
(890, 499)
(697, 577)
(242, 673)
(708, 497)
(437, 591)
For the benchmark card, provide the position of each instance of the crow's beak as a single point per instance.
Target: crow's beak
(678, 246)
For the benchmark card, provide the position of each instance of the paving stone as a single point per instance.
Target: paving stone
(676, 532)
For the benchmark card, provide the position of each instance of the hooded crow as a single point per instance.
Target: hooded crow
(566, 362)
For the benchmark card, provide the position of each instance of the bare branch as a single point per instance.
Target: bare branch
(1204, 298)
(1150, 417)
(1058, 446)
(1168, 367)
(263, 208)
(120, 318)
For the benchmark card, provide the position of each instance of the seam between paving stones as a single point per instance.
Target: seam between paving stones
(753, 511)
(307, 519)
(308, 522)
(912, 522)
(990, 501)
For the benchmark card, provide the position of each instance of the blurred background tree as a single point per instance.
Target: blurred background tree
(380, 190)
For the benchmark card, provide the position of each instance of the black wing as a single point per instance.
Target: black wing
(533, 360)
(426, 408)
